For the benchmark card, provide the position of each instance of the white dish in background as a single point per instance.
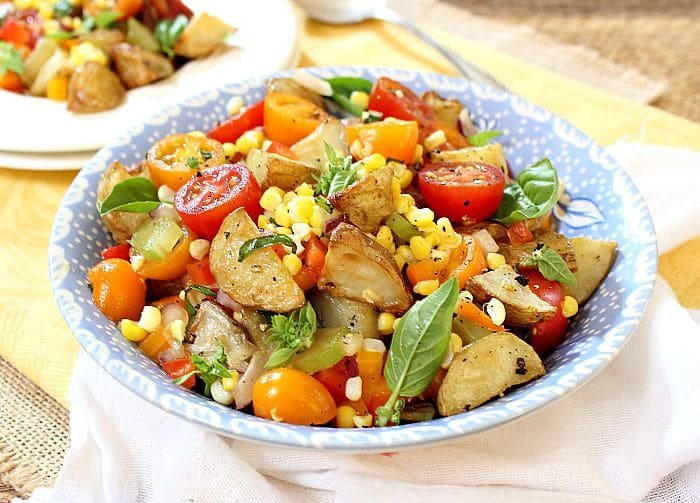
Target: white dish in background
(51, 161)
(266, 41)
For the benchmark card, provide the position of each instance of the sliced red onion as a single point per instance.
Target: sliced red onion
(335, 222)
(466, 125)
(352, 368)
(172, 353)
(225, 300)
(243, 393)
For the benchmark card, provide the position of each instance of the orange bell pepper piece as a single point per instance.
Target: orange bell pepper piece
(470, 311)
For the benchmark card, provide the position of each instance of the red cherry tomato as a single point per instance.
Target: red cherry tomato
(393, 99)
(16, 33)
(231, 129)
(547, 335)
(461, 191)
(280, 149)
(117, 251)
(519, 233)
(178, 368)
(334, 379)
(205, 200)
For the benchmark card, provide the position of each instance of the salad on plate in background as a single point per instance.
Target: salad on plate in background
(342, 252)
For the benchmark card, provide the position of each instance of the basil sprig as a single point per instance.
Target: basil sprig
(532, 195)
(168, 31)
(10, 59)
(263, 242)
(482, 138)
(551, 265)
(208, 371)
(341, 173)
(417, 348)
(292, 334)
(134, 195)
(107, 18)
(343, 87)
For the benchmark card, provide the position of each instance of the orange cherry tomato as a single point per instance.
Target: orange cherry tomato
(289, 118)
(175, 159)
(175, 264)
(10, 81)
(129, 8)
(117, 290)
(393, 139)
(313, 258)
(283, 150)
(200, 273)
(291, 396)
(466, 261)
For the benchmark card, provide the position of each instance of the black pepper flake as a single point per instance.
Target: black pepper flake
(466, 203)
(274, 278)
(539, 246)
(227, 234)
(521, 370)
(522, 280)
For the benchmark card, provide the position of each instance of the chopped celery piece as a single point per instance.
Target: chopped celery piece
(468, 330)
(155, 239)
(401, 227)
(138, 34)
(325, 351)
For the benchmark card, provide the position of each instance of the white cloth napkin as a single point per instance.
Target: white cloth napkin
(632, 432)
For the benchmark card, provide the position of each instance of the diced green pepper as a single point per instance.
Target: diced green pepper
(468, 330)
(401, 227)
(325, 351)
(155, 239)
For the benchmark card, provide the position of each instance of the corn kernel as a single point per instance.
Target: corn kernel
(456, 342)
(85, 52)
(364, 421)
(284, 230)
(396, 323)
(406, 178)
(418, 155)
(447, 359)
(344, 417)
(77, 23)
(302, 231)
(263, 222)
(199, 248)
(249, 139)
(220, 395)
(451, 242)
(292, 263)
(426, 287)
(353, 388)
(569, 307)
(178, 329)
(229, 150)
(445, 226)
(362, 173)
(400, 261)
(300, 208)
(385, 323)
(271, 199)
(420, 216)
(386, 238)
(305, 190)
(433, 238)
(374, 162)
(405, 252)
(352, 343)
(234, 105)
(395, 189)
(197, 134)
(150, 318)
(131, 331)
(435, 139)
(374, 345)
(496, 311)
(281, 216)
(420, 248)
(404, 203)
(359, 99)
(318, 216)
(230, 383)
(495, 260)
(430, 228)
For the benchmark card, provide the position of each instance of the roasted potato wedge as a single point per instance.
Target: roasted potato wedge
(45, 47)
(486, 369)
(261, 281)
(311, 149)
(594, 259)
(138, 67)
(446, 110)
(489, 154)
(104, 39)
(516, 254)
(291, 86)
(93, 88)
(274, 169)
(203, 34)
(359, 268)
(53, 65)
(120, 224)
(334, 311)
(367, 202)
(523, 307)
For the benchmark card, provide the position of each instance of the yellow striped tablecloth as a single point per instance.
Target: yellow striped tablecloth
(36, 340)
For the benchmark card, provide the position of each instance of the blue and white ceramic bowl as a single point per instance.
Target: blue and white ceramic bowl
(602, 203)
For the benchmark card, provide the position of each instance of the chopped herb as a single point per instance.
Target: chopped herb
(339, 175)
(323, 203)
(482, 138)
(205, 154)
(208, 371)
(551, 265)
(292, 334)
(263, 242)
(107, 18)
(192, 162)
(10, 59)
(168, 31)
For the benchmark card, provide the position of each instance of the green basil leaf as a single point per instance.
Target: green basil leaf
(343, 87)
(483, 137)
(264, 241)
(200, 364)
(60, 35)
(134, 195)
(279, 357)
(219, 370)
(183, 378)
(552, 266)
(203, 289)
(419, 345)
(107, 18)
(533, 194)
(341, 180)
(10, 59)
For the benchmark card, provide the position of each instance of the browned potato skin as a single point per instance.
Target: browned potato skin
(488, 154)
(594, 261)
(120, 224)
(446, 110)
(261, 281)
(523, 307)
(367, 202)
(334, 311)
(104, 38)
(311, 149)
(485, 369)
(274, 169)
(516, 254)
(138, 67)
(94, 88)
(359, 268)
(203, 34)
(291, 86)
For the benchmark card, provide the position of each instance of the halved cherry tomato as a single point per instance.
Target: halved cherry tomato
(175, 264)
(178, 368)
(519, 233)
(462, 191)
(393, 99)
(129, 8)
(547, 335)
(117, 251)
(117, 290)
(178, 157)
(283, 150)
(291, 396)
(289, 118)
(313, 258)
(232, 128)
(16, 32)
(10, 81)
(208, 198)
(200, 273)
(334, 379)
(393, 139)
